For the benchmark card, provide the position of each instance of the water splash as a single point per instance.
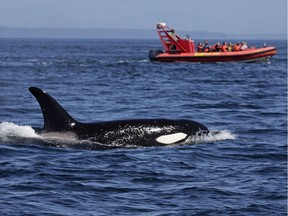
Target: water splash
(212, 136)
(10, 131)
(23, 134)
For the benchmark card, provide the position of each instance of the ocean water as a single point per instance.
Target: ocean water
(240, 168)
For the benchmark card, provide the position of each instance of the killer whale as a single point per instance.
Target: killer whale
(119, 133)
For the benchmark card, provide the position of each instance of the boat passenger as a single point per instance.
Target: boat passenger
(230, 47)
(200, 47)
(243, 46)
(172, 48)
(224, 47)
(237, 47)
(213, 48)
(216, 47)
(206, 46)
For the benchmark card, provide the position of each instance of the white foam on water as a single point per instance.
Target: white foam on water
(10, 130)
(19, 134)
(220, 135)
(212, 136)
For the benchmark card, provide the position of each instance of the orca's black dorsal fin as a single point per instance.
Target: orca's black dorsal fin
(56, 119)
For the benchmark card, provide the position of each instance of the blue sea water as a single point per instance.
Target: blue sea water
(239, 169)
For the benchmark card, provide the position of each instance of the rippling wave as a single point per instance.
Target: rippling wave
(239, 168)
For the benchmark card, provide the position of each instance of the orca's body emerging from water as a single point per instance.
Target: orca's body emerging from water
(140, 132)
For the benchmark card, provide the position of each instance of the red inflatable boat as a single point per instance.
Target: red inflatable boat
(177, 49)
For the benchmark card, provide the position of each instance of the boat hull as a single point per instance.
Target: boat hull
(251, 55)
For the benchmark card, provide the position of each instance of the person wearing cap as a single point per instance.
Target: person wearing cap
(200, 47)
(243, 46)
(216, 47)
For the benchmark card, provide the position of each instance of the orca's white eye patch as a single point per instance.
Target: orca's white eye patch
(171, 138)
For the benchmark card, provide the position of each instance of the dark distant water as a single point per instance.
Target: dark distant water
(241, 169)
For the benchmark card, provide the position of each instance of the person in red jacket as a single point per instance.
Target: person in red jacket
(224, 47)
(237, 47)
